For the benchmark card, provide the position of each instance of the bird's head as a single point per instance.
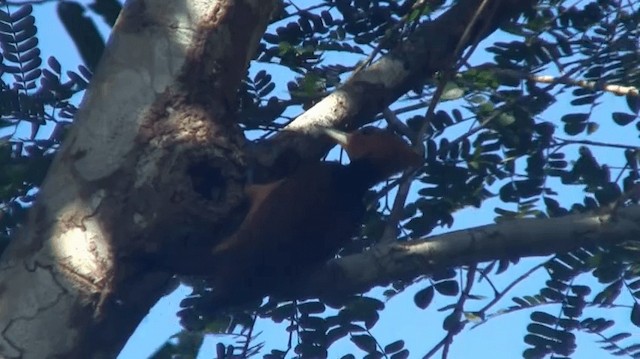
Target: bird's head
(386, 151)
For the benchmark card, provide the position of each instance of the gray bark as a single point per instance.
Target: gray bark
(159, 104)
(513, 239)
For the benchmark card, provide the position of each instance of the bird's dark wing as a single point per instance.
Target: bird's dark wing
(294, 225)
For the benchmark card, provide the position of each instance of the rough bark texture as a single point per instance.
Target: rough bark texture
(157, 120)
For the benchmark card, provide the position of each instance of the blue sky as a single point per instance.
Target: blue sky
(498, 338)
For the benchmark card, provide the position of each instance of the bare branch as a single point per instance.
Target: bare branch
(513, 239)
(618, 90)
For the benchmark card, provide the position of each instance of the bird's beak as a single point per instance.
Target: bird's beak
(342, 138)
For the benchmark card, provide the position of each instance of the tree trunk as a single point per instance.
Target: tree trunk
(158, 117)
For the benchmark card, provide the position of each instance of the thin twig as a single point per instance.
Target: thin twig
(458, 310)
(595, 143)
(405, 184)
(245, 348)
(506, 290)
(394, 122)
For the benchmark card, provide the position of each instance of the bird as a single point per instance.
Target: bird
(298, 223)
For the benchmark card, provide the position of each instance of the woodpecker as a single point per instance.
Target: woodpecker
(296, 224)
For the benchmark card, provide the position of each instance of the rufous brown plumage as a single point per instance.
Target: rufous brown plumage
(298, 223)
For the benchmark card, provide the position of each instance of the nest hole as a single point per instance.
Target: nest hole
(207, 180)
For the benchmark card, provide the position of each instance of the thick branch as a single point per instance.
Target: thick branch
(428, 50)
(513, 239)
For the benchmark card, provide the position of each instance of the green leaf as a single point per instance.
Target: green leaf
(574, 128)
(284, 48)
(592, 127)
(634, 103)
(414, 15)
(365, 342)
(403, 354)
(424, 297)
(477, 99)
(635, 314)
(448, 287)
(544, 318)
(504, 120)
(314, 307)
(575, 118)
(622, 118)
(451, 92)
(452, 323)
(394, 347)
(473, 317)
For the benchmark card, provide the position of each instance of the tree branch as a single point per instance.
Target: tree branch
(530, 237)
(429, 49)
